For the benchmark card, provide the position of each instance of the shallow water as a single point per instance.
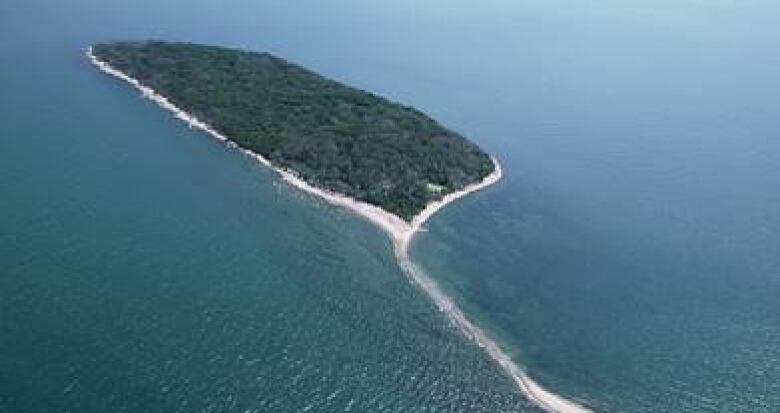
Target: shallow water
(628, 259)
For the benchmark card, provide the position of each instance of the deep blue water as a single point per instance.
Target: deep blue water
(629, 259)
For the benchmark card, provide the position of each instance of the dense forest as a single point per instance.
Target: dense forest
(333, 136)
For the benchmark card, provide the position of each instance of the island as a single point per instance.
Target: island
(332, 136)
(387, 162)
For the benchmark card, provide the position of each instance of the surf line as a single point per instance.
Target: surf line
(401, 233)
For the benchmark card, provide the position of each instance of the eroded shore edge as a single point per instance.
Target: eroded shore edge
(401, 232)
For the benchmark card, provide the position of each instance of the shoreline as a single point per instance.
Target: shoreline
(401, 233)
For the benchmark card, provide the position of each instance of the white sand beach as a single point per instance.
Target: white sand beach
(401, 232)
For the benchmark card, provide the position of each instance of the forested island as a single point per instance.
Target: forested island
(330, 135)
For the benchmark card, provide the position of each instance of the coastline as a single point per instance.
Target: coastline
(401, 233)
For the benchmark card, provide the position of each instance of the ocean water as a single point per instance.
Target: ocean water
(629, 259)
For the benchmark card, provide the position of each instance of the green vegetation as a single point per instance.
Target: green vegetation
(333, 136)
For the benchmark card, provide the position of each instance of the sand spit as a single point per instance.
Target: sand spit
(401, 232)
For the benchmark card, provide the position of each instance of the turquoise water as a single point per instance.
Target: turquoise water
(629, 258)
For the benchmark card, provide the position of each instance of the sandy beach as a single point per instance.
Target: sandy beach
(400, 231)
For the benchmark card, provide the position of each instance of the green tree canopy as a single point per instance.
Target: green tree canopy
(333, 136)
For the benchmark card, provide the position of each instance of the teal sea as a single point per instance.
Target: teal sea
(630, 258)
